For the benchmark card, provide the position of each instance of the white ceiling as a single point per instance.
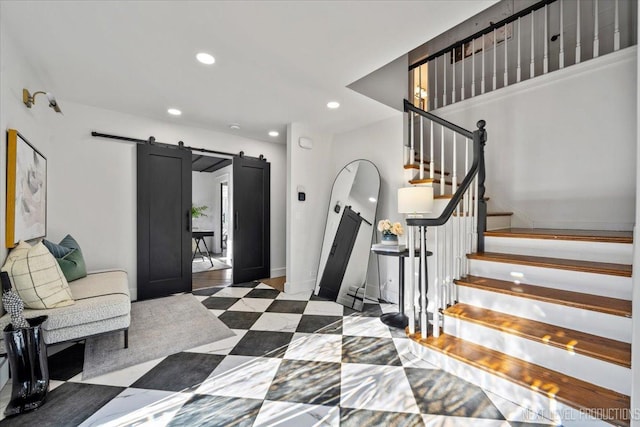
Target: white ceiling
(276, 61)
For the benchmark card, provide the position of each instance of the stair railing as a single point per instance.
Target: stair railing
(544, 37)
(456, 238)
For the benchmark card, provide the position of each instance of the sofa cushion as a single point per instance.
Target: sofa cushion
(102, 304)
(37, 277)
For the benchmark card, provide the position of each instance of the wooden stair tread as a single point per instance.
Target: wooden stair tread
(556, 234)
(608, 305)
(421, 181)
(573, 341)
(488, 214)
(568, 390)
(434, 181)
(426, 168)
(623, 270)
(450, 196)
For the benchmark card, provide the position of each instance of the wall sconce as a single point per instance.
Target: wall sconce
(30, 100)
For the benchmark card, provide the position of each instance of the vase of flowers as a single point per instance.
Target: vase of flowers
(390, 231)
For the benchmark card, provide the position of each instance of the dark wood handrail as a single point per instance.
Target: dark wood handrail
(479, 137)
(490, 28)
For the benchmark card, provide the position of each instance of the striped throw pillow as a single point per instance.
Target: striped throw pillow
(37, 277)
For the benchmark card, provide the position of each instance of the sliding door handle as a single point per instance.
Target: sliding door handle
(189, 220)
(235, 221)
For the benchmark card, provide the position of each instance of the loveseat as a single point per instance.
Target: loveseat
(102, 304)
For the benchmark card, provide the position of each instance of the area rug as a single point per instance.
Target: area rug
(159, 327)
(201, 264)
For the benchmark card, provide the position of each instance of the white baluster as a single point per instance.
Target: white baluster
(506, 67)
(462, 76)
(444, 83)
(431, 162)
(616, 27)
(495, 68)
(454, 177)
(467, 209)
(442, 160)
(561, 57)
(519, 68)
(578, 41)
(545, 57)
(453, 78)
(451, 262)
(475, 216)
(435, 99)
(409, 294)
(473, 68)
(423, 283)
(412, 148)
(596, 38)
(482, 81)
(436, 284)
(532, 65)
(421, 148)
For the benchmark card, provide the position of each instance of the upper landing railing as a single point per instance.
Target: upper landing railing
(545, 37)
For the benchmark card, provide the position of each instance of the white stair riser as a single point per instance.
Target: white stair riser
(589, 369)
(536, 402)
(498, 222)
(576, 281)
(591, 322)
(620, 253)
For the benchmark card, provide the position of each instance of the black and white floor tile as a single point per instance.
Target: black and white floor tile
(295, 360)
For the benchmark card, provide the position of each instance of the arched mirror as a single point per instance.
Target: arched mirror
(342, 272)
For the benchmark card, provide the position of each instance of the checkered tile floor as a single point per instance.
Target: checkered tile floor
(296, 360)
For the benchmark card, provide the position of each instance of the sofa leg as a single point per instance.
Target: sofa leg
(126, 338)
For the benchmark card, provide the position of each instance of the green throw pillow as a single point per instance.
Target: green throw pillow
(56, 250)
(72, 263)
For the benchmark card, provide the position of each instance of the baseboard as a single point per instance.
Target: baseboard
(278, 272)
(295, 287)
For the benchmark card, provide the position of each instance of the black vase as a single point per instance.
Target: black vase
(27, 354)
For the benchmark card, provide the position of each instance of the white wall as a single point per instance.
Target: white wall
(558, 149)
(310, 169)
(16, 74)
(635, 342)
(381, 143)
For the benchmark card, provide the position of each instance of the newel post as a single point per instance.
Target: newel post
(481, 134)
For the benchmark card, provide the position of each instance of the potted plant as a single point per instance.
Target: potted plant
(198, 211)
(390, 231)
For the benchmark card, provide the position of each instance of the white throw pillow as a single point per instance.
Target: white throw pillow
(37, 277)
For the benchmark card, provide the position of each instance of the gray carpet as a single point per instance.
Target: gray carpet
(201, 264)
(159, 327)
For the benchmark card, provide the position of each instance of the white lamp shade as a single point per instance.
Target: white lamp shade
(415, 200)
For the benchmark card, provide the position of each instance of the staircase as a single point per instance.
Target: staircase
(550, 332)
(540, 317)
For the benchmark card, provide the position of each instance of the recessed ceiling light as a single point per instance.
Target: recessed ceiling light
(205, 58)
(274, 133)
(234, 126)
(174, 111)
(333, 105)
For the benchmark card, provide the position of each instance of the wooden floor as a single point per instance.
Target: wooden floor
(208, 279)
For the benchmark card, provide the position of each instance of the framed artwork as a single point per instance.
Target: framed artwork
(26, 214)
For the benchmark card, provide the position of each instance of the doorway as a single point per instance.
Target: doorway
(211, 265)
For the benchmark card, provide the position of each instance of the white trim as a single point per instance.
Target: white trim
(306, 285)
(278, 272)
